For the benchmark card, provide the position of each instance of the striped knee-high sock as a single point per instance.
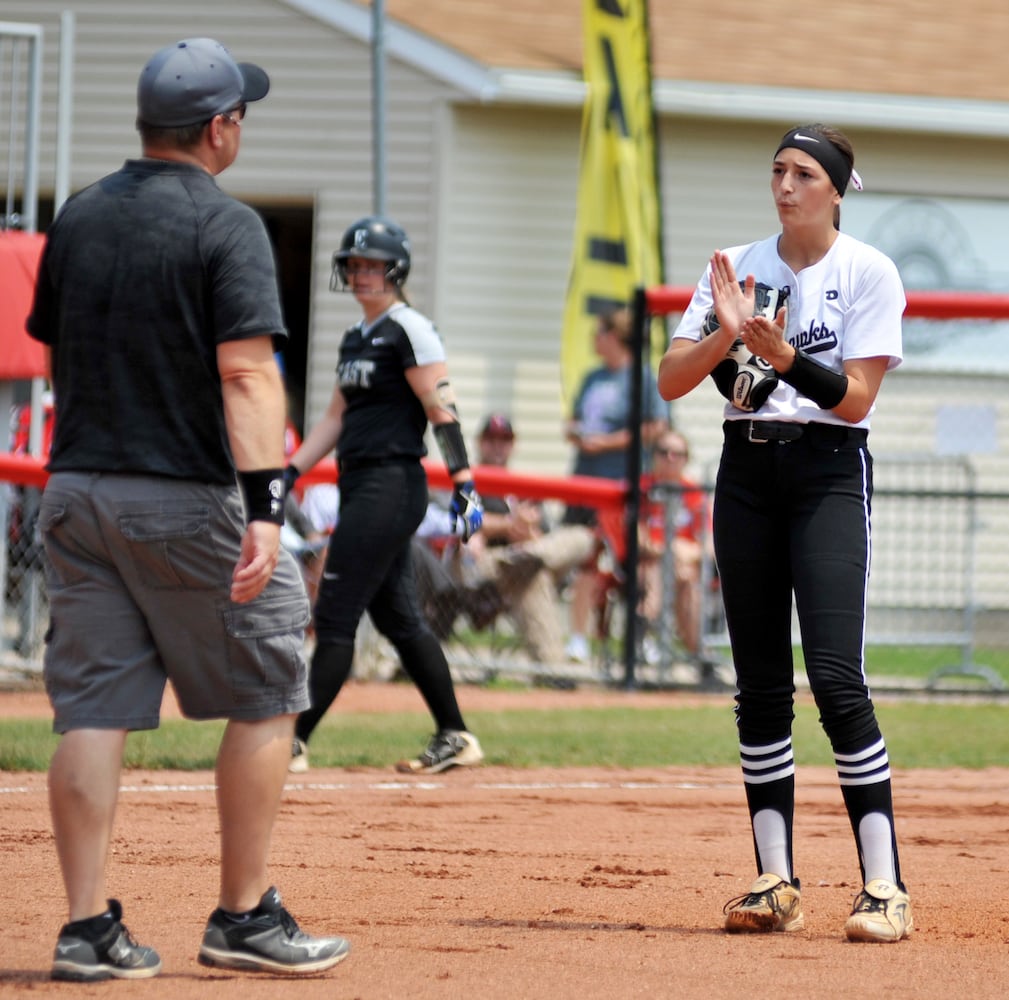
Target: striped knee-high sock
(769, 781)
(864, 776)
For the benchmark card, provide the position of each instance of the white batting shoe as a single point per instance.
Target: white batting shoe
(772, 904)
(882, 912)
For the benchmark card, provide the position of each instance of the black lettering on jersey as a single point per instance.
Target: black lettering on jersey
(819, 337)
(832, 294)
(355, 374)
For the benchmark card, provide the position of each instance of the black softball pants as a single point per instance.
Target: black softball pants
(793, 517)
(368, 564)
(368, 568)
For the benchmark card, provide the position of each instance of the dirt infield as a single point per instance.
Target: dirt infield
(499, 883)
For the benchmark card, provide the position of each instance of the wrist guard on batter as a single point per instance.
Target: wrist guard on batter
(466, 509)
(451, 446)
(291, 475)
(821, 384)
(263, 495)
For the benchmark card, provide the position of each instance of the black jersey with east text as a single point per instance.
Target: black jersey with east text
(384, 418)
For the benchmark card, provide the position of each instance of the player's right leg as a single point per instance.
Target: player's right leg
(757, 588)
(93, 621)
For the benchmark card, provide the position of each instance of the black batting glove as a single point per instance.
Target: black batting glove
(466, 510)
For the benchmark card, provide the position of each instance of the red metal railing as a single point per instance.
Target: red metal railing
(663, 299)
(493, 481)
(586, 490)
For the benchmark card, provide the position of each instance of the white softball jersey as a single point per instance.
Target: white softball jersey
(846, 306)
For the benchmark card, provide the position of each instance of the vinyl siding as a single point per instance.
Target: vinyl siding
(413, 160)
(113, 39)
(505, 246)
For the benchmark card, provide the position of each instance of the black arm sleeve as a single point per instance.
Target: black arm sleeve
(821, 384)
(452, 446)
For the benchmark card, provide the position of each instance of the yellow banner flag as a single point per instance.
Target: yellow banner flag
(618, 232)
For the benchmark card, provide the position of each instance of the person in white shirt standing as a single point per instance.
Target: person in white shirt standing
(800, 346)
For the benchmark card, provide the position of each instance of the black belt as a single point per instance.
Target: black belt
(349, 464)
(783, 431)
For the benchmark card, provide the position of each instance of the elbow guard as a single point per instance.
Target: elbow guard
(821, 384)
(451, 446)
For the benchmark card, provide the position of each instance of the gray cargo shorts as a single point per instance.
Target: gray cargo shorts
(139, 575)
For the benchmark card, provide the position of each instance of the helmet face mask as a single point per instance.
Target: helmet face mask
(372, 238)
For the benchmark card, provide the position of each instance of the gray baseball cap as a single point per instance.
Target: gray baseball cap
(193, 80)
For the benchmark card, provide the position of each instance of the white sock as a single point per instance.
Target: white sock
(772, 844)
(875, 840)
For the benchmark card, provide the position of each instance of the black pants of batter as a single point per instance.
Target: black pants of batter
(368, 568)
(793, 518)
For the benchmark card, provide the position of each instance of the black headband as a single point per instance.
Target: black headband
(825, 153)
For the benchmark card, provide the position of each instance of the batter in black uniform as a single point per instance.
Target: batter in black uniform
(391, 380)
(791, 511)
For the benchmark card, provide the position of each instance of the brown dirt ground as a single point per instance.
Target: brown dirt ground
(502, 883)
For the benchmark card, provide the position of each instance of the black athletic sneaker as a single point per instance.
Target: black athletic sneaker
(94, 949)
(299, 757)
(447, 748)
(269, 941)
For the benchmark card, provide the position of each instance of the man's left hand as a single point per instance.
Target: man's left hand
(260, 554)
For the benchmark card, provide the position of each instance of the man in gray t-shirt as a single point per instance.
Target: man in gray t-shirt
(600, 429)
(157, 299)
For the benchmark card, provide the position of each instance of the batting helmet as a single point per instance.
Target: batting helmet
(373, 238)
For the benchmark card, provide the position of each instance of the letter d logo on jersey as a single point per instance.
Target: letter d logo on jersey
(618, 236)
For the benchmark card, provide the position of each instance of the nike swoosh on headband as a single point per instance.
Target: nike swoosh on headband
(804, 138)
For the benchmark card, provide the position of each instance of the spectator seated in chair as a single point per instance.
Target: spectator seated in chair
(669, 494)
(522, 556)
(669, 488)
(443, 597)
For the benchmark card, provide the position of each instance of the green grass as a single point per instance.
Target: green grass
(918, 735)
(919, 662)
(922, 661)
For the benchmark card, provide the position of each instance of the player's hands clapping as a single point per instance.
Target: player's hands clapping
(733, 303)
(767, 340)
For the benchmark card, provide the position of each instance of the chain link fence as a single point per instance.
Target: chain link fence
(23, 602)
(938, 612)
(936, 595)
(932, 588)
